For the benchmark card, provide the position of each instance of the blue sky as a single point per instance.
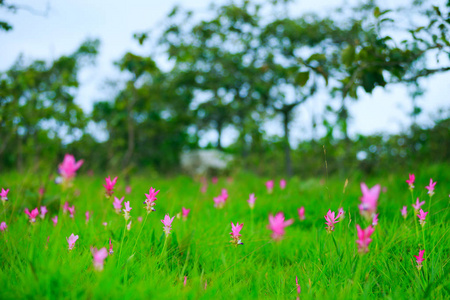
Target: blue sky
(114, 22)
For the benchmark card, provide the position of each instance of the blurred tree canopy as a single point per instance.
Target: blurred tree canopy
(245, 64)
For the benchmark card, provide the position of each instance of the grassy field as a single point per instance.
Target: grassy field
(36, 262)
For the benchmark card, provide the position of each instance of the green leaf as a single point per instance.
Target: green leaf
(302, 78)
(348, 55)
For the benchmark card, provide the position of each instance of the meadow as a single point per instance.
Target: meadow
(197, 261)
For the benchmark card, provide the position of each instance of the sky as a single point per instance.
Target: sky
(67, 23)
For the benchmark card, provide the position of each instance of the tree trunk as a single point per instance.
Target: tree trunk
(130, 131)
(287, 146)
(219, 133)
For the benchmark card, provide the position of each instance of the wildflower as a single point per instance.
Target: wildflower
(129, 226)
(32, 215)
(127, 210)
(364, 238)
(430, 187)
(139, 219)
(105, 224)
(167, 221)
(420, 259)
(404, 212)
(150, 201)
(71, 240)
(341, 213)
(117, 203)
(66, 207)
(4, 195)
(203, 188)
(3, 226)
(185, 280)
(214, 180)
(298, 286)
(43, 212)
(99, 258)
(331, 219)
(219, 201)
(88, 216)
(418, 205)
(277, 225)
(55, 220)
(251, 201)
(369, 200)
(410, 181)
(41, 191)
(109, 186)
(185, 212)
(375, 220)
(301, 213)
(282, 184)
(71, 210)
(110, 247)
(128, 189)
(68, 168)
(422, 215)
(235, 234)
(269, 186)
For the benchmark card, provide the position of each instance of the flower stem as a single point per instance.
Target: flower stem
(137, 239)
(121, 243)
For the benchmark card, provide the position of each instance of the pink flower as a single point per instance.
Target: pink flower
(139, 219)
(71, 240)
(341, 214)
(66, 207)
(430, 187)
(128, 189)
(127, 210)
(269, 186)
(129, 226)
(422, 215)
(3, 226)
(185, 212)
(167, 221)
(301, 213)
(117, 203)
(214, 180)
(369, 200)
(364, 238)
(69, 167)
(88, 216)
(224, 194)
(251, 201)
(282, 184)
(297, 285)
(41, 191)
(105, 224)
(235, 234)
(203, 188)
(4, 195)
(185, 280)
(32, 215)
(219, 201)
(375, 220)
(55, 220)
(419, 259)
(110, 247)
(418, 205)
(331, 219)
(410, 181)
(404, 212)
(150, 201)
(277, 225)
(109, 186)
(99, 258)
(71, 210)
(43, 212)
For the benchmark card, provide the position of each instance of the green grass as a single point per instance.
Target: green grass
(35, 262)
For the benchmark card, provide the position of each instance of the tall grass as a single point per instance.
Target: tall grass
(35, 262)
